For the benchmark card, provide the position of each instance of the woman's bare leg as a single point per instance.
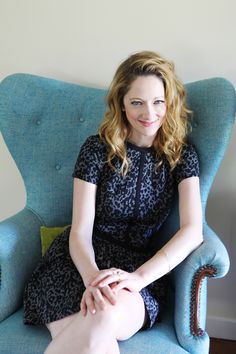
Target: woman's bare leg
(113, 348)
(98, 333)
(57, 327)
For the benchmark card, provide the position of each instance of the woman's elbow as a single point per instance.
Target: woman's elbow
(194, 235)
(198, 236)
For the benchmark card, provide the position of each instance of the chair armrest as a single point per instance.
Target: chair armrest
(210, 259)
(19, 253)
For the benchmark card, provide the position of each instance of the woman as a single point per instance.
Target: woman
(102, 280)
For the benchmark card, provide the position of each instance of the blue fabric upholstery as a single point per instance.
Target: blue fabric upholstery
(34, 340)
(183, 275)
(51, 116)
(19, 252)
(44, 122)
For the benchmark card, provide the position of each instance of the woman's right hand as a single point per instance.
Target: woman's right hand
(96, 298)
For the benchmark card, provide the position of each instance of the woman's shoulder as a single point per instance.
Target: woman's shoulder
(188, 165)
(91, 159)
(94, 140)
(94, 144)
(189, 152)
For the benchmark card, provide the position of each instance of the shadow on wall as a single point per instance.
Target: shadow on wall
(221, 216)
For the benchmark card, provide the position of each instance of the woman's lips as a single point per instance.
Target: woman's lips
(147, 123)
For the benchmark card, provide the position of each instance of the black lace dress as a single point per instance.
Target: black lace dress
(129, 212)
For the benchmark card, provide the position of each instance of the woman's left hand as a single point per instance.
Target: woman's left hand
(118, 279)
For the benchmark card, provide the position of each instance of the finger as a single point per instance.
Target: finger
(112, 279)
(108, 280)
(98, 298)
(83, 307)
(109, 294)
(102, 275)
(124, 284)
(90, 303)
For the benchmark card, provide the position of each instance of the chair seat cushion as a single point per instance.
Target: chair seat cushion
(17, 338)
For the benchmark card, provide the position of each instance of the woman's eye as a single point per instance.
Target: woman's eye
(136, 103)
(159, 102)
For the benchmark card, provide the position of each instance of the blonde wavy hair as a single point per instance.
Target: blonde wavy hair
(115, 129)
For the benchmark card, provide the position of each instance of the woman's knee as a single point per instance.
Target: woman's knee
(108, 316)
(132, 315)
(120, 320)
(124, 318)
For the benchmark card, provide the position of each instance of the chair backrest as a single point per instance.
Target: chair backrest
(213, 103)
(45, 121)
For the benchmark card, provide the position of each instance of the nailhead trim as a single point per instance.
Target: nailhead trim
(204, 271)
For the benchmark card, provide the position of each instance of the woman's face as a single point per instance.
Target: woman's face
(145, 108)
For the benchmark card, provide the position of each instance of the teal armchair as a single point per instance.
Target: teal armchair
(44, 122)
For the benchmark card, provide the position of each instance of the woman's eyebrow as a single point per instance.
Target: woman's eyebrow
(138, 98)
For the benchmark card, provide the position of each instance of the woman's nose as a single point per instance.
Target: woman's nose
(147, 112)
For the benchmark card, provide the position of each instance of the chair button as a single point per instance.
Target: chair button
(58, 167)
(81, 120)
(38, 122)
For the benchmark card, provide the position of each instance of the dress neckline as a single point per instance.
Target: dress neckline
(142, 149)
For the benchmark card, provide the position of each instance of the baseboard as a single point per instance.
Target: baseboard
(221, 327)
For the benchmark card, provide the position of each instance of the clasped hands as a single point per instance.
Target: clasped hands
(104, 287)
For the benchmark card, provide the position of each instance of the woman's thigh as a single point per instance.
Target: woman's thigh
(58, 326)
(127, 317)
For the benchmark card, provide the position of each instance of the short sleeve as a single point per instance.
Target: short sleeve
(90, 161)
(189, 164)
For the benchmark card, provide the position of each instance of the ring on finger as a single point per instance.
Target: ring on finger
(120, 274)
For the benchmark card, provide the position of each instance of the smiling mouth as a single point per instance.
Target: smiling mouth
(147, 123)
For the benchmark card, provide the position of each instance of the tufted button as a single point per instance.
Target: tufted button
(195, 124)
(38, 122)
(81, 120)
(58, 167)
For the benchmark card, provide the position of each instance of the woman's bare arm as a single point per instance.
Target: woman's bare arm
(188, 237)
(81, 249)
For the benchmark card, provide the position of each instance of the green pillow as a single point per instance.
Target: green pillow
(48, 235)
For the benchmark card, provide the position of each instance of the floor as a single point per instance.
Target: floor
(221, 346)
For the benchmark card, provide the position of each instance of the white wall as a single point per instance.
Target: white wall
(84, 41)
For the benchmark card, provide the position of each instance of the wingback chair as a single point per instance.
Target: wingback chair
(43, 123)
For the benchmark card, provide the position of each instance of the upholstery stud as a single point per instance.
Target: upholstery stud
(58, 167)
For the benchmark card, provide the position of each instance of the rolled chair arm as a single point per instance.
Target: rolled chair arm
(209, 260)
(19, 253)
